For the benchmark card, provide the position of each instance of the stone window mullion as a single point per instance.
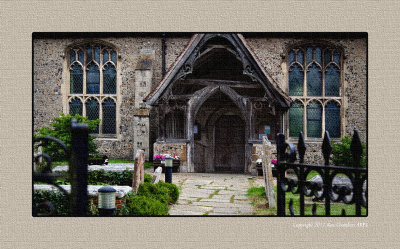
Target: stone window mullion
(305, 119)
(323, 119)
(84, 70)
(101, 116)
(84, 107)
(101, 72)
(323, 73)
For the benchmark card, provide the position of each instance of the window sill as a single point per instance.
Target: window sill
(311, 140)
(105, 137)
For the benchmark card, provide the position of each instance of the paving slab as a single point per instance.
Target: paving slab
(196, 189)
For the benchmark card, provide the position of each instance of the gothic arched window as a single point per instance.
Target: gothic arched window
(314, 77)
(93, 85)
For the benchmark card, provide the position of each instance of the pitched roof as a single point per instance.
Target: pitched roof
(195, 42)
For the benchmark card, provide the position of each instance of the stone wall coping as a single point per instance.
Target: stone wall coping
(121, 191)
(117, 167)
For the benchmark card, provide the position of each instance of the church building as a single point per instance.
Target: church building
(207, 97)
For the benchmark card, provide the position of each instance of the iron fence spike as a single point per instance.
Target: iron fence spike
(326, 147)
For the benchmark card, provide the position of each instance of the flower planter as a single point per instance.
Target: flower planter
(175, 166)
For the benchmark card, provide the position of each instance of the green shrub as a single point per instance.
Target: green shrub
(341, 154)
(173, 191)
(61, 129)
(148, 178)
(101, 177)
(124, 178)
(154, 191)
(141, 205)
(58, 200)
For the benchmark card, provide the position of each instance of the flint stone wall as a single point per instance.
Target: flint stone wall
(50, 74)
(173, 148)
(50, 71)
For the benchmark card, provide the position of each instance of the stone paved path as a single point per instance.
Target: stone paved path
(213, 194)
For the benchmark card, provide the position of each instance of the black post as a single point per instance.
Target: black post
(168, 174)
(301, 148)
(356, 151)
(280, 145)
(78, 170)
(326, 151)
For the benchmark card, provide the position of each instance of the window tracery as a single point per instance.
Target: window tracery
(93, 85)
(314, 74)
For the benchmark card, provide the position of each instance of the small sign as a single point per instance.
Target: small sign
(261, 135)
(267, 129)
(195, 129)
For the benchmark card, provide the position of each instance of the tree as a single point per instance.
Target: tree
(61, 129)
(341, 153)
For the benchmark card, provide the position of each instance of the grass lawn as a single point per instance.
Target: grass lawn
(257, 194)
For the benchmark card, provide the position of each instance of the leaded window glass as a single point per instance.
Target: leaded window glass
(109, 110)
(93, 79)
(314, 80)
(109, 79)
(332, 81)
(309, 55)
(175, 124)
(76, 79)
(332, 119)
(296, 119)
(75, 107)
(314, 119)
(296, 78)
(92, 111)
(314, 77)
(93, 85)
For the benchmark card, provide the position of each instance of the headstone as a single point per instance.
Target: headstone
(156, 175)
(267, 172)
(138, 171)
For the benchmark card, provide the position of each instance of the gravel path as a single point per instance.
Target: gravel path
(213, 194)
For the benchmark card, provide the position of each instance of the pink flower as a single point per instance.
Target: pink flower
(274, 161)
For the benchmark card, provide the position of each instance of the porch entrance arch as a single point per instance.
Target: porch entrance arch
(227, 101)
(218, 124)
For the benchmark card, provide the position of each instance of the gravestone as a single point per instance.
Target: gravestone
(138, 171)
(156, 175)
(267, 172)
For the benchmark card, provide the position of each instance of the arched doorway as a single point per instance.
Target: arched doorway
(219, 140)
(229, 144)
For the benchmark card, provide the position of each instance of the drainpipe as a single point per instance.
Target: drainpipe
(163, 49)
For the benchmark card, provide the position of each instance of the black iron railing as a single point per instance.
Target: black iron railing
(326, 187)
(77, 173)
